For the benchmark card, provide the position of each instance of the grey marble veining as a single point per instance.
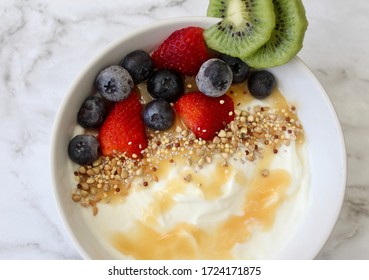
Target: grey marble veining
(45, 44)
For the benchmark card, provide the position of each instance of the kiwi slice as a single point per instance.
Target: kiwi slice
(245, 27)
(286, 39)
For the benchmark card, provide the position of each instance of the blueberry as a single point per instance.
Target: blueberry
(83, 149)
(139, 64)
(158, 114)
(114, 83)
(261, 84)
(239, 68)
(214, 77)
(92, 113)
(165, 84)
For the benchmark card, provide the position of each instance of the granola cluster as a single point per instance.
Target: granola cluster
(244, 139)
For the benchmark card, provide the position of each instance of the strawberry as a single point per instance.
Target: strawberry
(123, 130)
(205, 116)
(184, 50)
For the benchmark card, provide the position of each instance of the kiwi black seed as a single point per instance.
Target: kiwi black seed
(246, 25)
(286, 39)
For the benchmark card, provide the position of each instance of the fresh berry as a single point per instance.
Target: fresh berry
(92, 113)
(83, 149)
(165, 84)
(139, 64)
(158, 115)
(214, 77)
(184, 50)
(205, 116)
(114, 83)
(123, 130)
(239, 68)
(261, 84)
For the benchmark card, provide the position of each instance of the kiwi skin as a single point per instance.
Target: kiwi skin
(246, 25)
(286, 39)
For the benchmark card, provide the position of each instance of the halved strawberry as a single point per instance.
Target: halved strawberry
(123, 130)
(204, 115)
(184, 50)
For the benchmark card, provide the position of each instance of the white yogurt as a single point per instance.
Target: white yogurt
(174, 210)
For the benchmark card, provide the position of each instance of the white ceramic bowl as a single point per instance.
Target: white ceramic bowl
(326, 147)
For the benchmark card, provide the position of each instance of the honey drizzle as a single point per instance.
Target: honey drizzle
(186, 241)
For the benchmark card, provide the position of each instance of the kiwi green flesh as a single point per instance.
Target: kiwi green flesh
(286, 39)
(216, 8)
(245, 27)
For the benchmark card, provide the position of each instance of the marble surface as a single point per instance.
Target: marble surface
(45, 44)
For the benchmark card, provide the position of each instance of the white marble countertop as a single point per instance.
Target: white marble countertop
(45, 44)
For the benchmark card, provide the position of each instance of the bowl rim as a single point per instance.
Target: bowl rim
(340, 196)
(314, 250)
